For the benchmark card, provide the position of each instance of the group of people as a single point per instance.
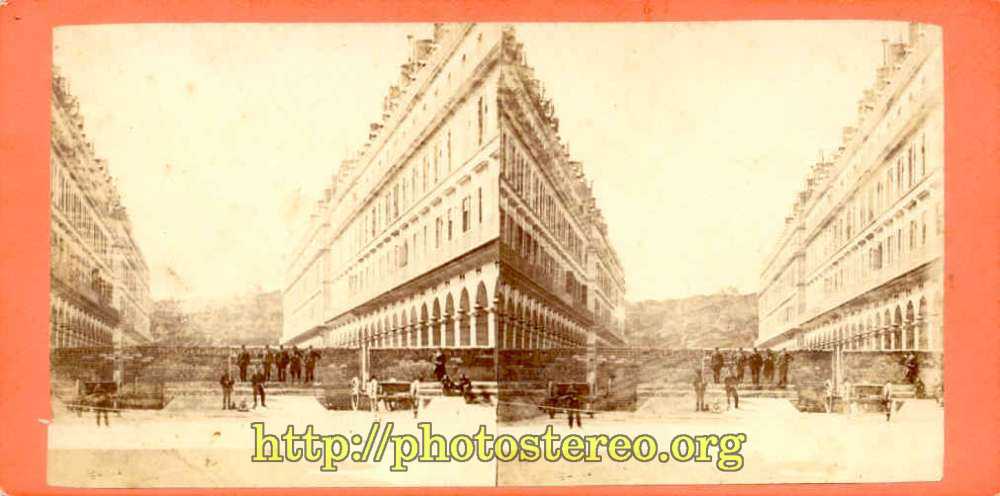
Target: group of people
(289, 364)
(449, 386)
(911, 371)
(762, 366)
(257, 380)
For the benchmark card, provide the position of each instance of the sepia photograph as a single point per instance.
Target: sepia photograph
(482, 254)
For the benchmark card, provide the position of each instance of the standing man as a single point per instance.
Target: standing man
(312, 357)
(243, 361)
(268, 359)
(741, 364)
(355, 393)
(102, 404)
(717, 363)
(783, 362)
(912, 368)
(573, 407)
(756, 361)
(731, 392)
(282, 362)
(439, 365)
(226, 381)
(415, 395)
(296, 364)
(699, 392)
(373, 395)
(258, 387)
(768, 367)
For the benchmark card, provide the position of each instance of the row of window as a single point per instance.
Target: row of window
(77, 270)
(72, 262)
(902, 173)
(71, 204)
(890, 248)
(446, 229)
(542, 266)
(527, 182)
(418, 177)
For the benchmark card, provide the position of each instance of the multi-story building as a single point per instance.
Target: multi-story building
(858, 265)
(462, 222)
(99, 294)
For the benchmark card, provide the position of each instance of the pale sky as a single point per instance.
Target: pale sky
(696, 135)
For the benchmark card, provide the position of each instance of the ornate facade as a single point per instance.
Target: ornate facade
(462, 222)
(99, 294)
(858, 265)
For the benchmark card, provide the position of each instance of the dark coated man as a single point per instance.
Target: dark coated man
(295, 364)
(912, 368)
(243, 361)
(267, 357)
(768, 367)
(439, 365)
(312, 358)
(756, 361)
(258, 387)
(573, 406)
(717, 362)
(103, 403)
(282, 362)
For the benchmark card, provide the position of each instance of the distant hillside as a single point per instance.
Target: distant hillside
(723, 320)
(253, 319)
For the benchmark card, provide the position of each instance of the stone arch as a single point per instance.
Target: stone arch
(404, 328)
(424, 326)
(449, 319)
(464, 319)
(509, 321)
(481, 312)
(897, 329)
(414, 327)
(393, 334)
(877, 332)
(435, 328)
(886, 329)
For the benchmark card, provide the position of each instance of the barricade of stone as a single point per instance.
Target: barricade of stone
(879, 367)
(555, 364)
(401, 364)
(155, 364)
